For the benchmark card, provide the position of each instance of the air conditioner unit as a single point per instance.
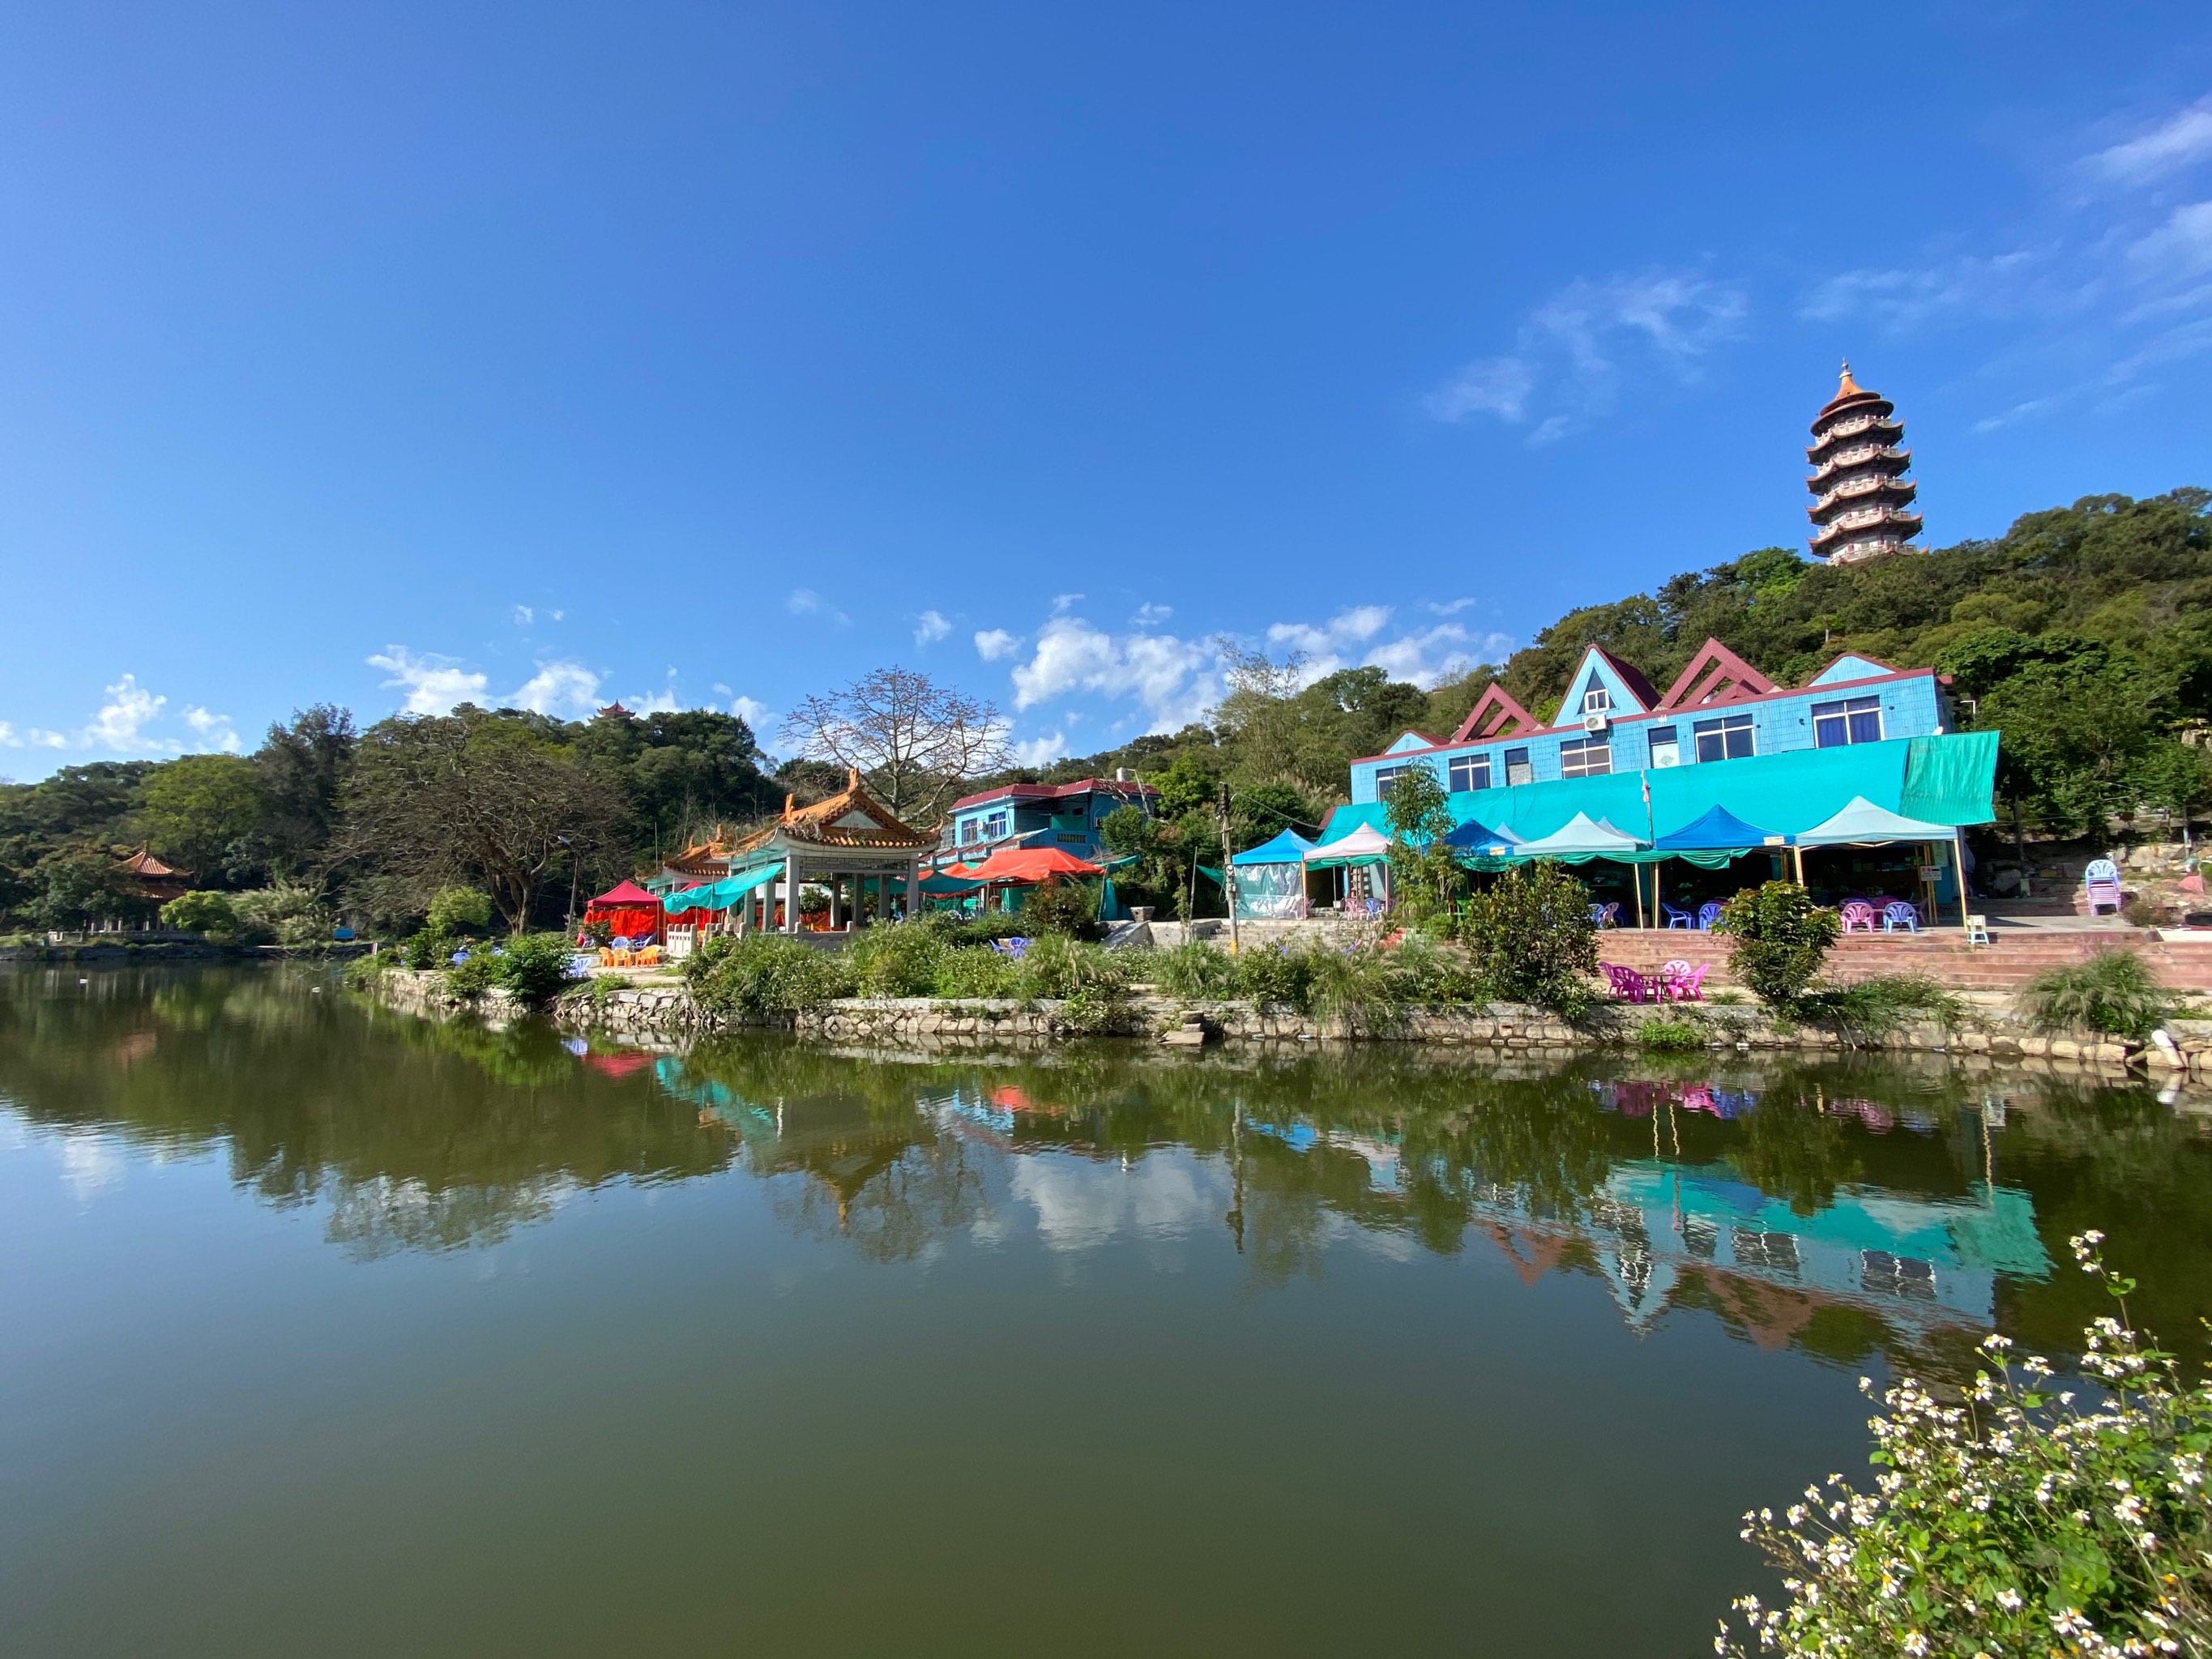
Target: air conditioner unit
(1594, 720)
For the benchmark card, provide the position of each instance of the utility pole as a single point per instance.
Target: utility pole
(1228, 875)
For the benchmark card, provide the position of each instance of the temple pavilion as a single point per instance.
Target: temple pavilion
(850, 847)
(1862, 502)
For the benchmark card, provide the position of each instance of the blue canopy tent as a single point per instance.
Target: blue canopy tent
(1271, 879)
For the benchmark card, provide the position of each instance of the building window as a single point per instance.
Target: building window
(1665, 750)
(1596, 701)
(994, 826)
(1585, 758)
(1727, 738)
(1835, 724)
(1517, 769)
(1384, 777)
(1470, 772)
(969, 829)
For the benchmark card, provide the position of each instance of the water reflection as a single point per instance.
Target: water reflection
(1843, 1208)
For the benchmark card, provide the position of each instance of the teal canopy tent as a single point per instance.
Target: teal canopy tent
(948, 886)
(1581, 837)
(1718, 830)
(1864, 822)
(721, 894)
(1271, 879)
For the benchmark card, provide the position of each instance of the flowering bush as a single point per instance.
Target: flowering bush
(2014, 1522)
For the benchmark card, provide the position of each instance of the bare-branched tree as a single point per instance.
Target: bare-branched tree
(913, 739)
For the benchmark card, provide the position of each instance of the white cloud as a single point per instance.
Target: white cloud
(1427, 658)
(758, 715)
(1151, 615)
(130, 707)
(1573, 351)
(1344, 630)
(805, 602)
(558, 614)
(1170, 676)
(215, 731)
(1903, 297)
(1448, 608)
(1040, 751)
(2175, 142)
(2182, 245)
(931, 627)
(30, 737)
(995, 643)
(524, 616)
(567, 690)
(433, 683)
(1488, 385)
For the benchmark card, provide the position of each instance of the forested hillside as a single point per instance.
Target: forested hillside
(2084, 633)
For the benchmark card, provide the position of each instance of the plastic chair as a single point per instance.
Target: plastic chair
(1605, 915)
(1625, 983)
(1898, 913)
(2100, 884)
(1709, 916)
(2101, 869)
(1690, 987)
(1858, 917)
(1678, 918)
(1978, 929)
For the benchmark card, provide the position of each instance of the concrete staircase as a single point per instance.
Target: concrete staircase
(2017, 955)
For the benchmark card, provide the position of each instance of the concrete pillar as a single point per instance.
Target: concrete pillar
(913, 890)
(791, 895)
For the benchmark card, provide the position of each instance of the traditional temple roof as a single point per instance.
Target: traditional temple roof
(852, 817)
(144, 864)
(1851, 396)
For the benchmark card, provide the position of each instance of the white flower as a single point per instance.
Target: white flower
(2008, 1599)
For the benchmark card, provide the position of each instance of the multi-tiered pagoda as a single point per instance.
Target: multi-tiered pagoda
(1862, 502)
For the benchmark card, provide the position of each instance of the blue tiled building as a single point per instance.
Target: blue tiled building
(1612, 721)
(1036, 815)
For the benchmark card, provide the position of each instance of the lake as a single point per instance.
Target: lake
(327, 1331)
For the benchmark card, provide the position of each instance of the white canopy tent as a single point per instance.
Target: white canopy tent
(1863, 822)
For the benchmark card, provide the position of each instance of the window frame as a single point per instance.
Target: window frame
(1725, 728)
(1524, 766)
(1477, 767)
(1387, 775)
(1597, 701)
(1849, 712)
(1581, 749)
(1666, 736)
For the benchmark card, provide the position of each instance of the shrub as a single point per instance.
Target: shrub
(427, 949)
(534, 967)
(1358, 988)
(2113, 992)
(209, 914)
(1670, 1036)
(1063, 907)
(473, 976)
(1531, 939)
(1778, 939)
(2013, 1523)
(764, 975)
(1885, 1002)
(897, 959)
(1277, 977)
(1193, 969)
(363, 972)
(289, 915)
(1426, 972)
(977, 970)
(458, 910)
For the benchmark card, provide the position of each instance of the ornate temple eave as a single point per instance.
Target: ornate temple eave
(1884, 430)
(1881, 524)
(1872, 458)
(1862, 492)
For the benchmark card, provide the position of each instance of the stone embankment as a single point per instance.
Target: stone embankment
(663, 1012)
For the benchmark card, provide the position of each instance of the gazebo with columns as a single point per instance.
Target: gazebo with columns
(850, 845)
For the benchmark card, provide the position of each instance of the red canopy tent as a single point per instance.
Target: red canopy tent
(1017, 864)
(627, 910)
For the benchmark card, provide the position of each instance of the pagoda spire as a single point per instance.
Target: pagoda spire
(1862, 502)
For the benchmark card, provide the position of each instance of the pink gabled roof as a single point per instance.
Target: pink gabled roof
(1631, 675)
(1051, 792)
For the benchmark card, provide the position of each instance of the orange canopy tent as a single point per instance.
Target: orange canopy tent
(627, 910)
(1016, 865)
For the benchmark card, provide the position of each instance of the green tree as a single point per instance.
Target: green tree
(301, 769)
(201, 912)
(1425, 873)
(1531, 937)
(1778, 939)
(198, 813)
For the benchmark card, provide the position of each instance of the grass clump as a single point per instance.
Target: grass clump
(1670, 1036)
(2114, 993)
(1885, 1003)
(1195, 971)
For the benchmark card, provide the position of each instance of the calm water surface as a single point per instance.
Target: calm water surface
(324, 1331)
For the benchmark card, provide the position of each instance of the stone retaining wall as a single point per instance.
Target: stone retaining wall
(665, 1011)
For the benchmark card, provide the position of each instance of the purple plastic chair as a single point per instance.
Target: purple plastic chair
(1858, 917)
(1898, 913)
(1709, 916)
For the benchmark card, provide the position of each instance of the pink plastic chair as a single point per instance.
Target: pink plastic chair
(1625, 983)
(1859, 917)
(1688, 986)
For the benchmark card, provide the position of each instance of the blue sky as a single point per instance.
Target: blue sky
(713, 355)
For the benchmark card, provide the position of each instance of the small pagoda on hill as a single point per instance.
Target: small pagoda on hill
(1862, 500)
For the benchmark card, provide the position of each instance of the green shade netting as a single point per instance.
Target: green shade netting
(1951, 779)
(723, 894)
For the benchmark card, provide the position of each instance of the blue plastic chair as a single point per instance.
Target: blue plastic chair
(1709, 916)
(1678, 918)
(1900, 914)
